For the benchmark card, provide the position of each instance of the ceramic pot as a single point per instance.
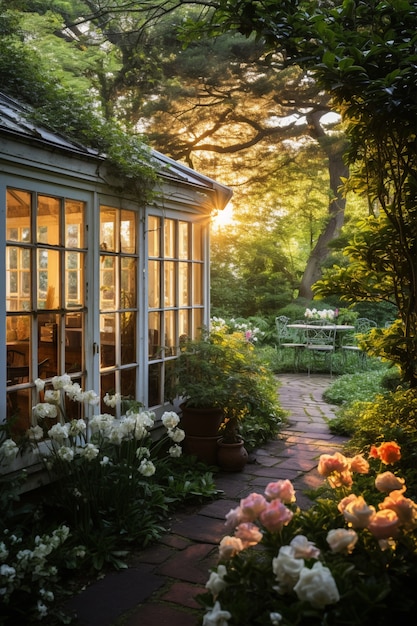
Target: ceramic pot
(231, 457)
(203, 448)
(200, 422)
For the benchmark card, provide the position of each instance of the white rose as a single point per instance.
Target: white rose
(303, 548)
(341, 540)
(175, 451)
(170, 419)
(177, 435)
(216, 581)
(287, 568)
(216, 617)
(317, 586)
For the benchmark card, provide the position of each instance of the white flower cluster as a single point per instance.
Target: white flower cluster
(324, 314)
(251, 333)
(23, 568)
(77, 439)
(315, 585)
(54, 398)
(8, 450)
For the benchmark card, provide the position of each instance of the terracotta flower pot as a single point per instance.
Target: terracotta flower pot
(203, 448)
(231, 457)
(201, 422)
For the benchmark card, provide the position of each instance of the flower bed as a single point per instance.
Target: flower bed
(349, 559)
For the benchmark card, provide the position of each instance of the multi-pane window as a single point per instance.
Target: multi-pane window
(47, 272)
(175, 294)
(45, 300)
(118, 302)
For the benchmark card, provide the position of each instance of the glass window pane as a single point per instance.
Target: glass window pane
(128, 384)
(18, 292)
(154, 284)
(48, 342)
(128, 298)
(107, 385)
(169, 283)
(154, 335)
(108, 229)
(169, 238)
(108, 282)
(183, 269)
(48, 279)
(128, 232)
(19, 403)
(74, 223)
(197, 283)
(48, 220)
(183, 324)
(18, 215)
(183, 251)
(107, 339)
(197, 322)
(128, 335)
(154, 236)
(197, 242)
(170, 333)
(74, 343)
(74, 294)
(154, 384)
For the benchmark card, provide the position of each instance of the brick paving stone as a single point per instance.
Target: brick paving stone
(199, 528)
(159, 615)
(184, 594)
(216, 509)
(192, 564)
(104, 601)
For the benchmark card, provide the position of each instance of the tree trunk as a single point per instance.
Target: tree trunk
(334, 149)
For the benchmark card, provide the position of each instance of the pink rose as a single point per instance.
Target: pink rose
(282, 489)
(229, 546)
(357, 513)
(405, 508)
(359, 464)
(275, 516)
(329, 463)
(387, 481)
(234, 517)
(249, 534)
(252, 506)
(342, 539)
(384, 524)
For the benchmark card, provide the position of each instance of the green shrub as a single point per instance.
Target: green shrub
(355, 387)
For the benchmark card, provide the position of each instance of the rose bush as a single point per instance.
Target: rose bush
(351, 558)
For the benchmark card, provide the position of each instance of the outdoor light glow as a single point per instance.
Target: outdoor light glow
(223, 218)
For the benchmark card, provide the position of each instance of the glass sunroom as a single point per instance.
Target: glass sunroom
(94, 284)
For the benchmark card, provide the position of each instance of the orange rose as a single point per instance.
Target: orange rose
(389, 452)
(373, 452)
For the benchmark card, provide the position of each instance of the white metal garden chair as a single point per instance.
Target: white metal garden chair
(321, 346)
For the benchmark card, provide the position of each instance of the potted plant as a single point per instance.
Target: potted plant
(220, 371)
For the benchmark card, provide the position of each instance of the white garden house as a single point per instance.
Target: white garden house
(92, 283)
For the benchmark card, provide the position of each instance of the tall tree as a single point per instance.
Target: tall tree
(222, 105)
(364, 55)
